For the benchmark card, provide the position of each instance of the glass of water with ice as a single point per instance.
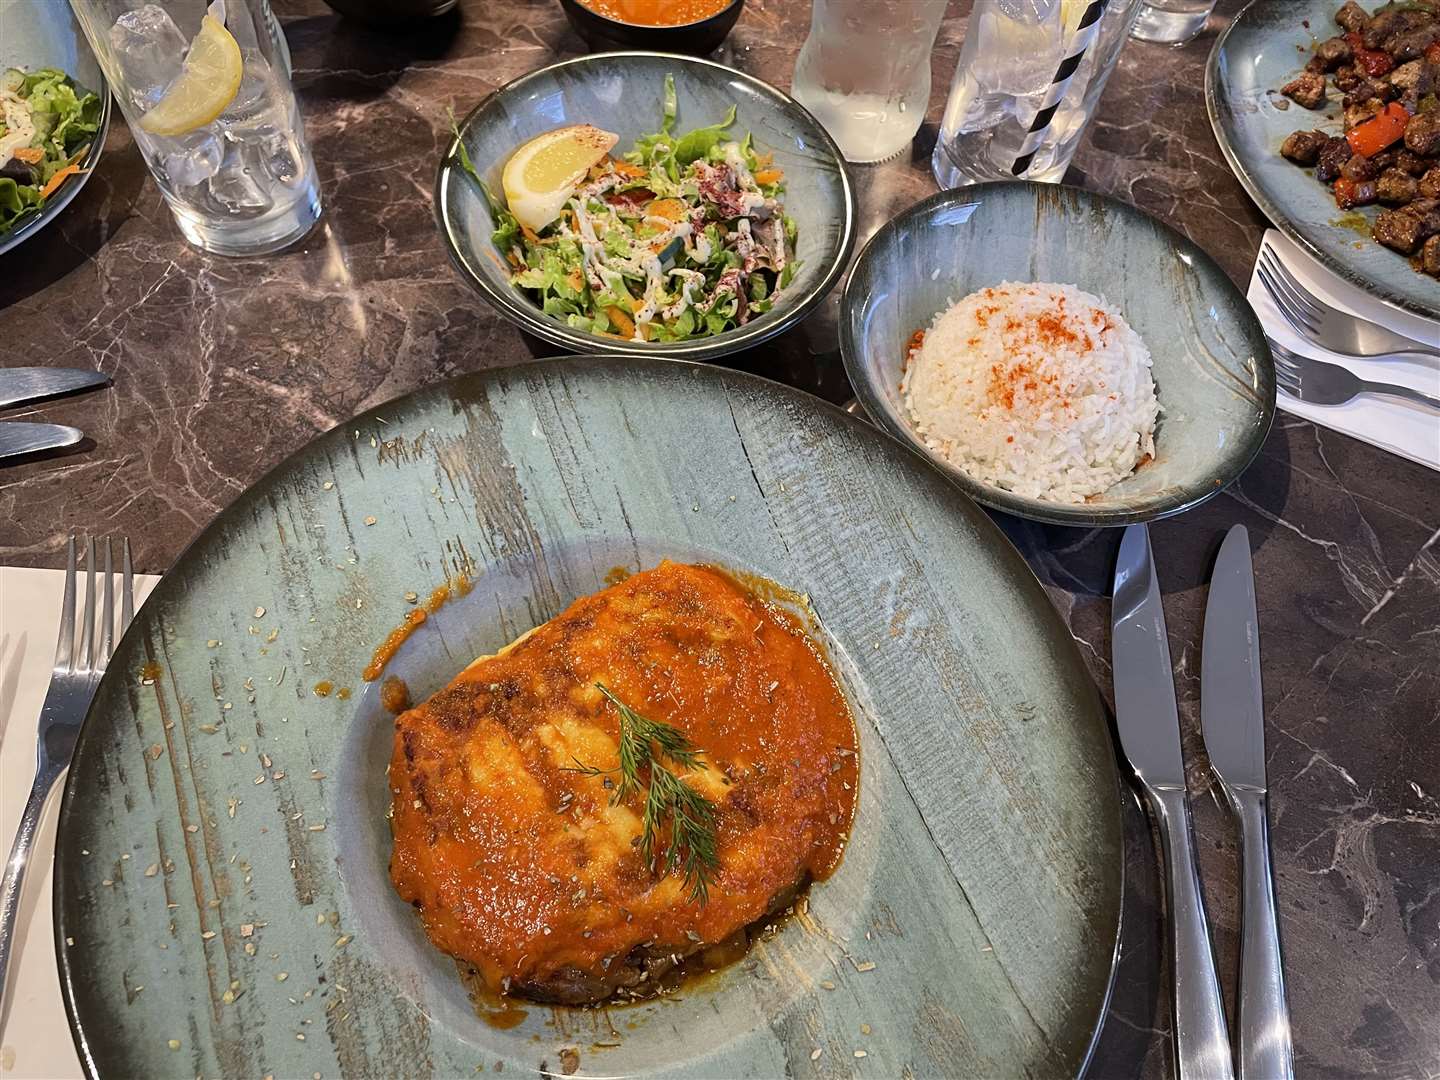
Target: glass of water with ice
(1172, 22)
(864, 72)
(206, 93)
(1026, 85)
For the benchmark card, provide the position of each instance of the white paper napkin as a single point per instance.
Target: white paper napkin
(35, 1038)
(1408, 430)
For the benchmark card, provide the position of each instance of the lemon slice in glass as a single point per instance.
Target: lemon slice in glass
(207, 83)
(544, 173)
(1070, 12)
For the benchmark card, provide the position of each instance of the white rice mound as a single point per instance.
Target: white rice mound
(1038, 388)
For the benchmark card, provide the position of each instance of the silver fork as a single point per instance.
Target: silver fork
(1318, 322)
(1318, 383)
(77, 673)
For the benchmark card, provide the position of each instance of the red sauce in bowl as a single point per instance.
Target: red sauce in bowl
(656, 12)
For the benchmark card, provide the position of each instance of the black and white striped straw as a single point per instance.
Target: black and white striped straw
(1085, 33)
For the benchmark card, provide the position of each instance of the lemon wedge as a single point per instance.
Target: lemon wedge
(207, 83)
(1070, 12)
(544, 173)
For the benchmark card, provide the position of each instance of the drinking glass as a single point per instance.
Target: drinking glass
(1171, 22)
(1010, 60)
(239, 179)
(864, 72)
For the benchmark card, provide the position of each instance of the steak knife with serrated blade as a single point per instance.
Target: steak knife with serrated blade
(1149, 726)
(1233, 718)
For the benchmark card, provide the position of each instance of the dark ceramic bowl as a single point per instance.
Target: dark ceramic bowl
(623, 92)
(1212, 367)
(391, 13)
(696, 38)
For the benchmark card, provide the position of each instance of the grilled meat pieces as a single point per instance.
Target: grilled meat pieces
(1387, 66)
(1307, 89)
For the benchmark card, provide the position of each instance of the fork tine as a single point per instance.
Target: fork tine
(1268, 258)
(1284, 282)
(1276, 295)
(1271, 262)
(107, 617)
(1297, 289)
(1284, 359)
(127, 587)
(87, 629)
(1299, 302)
(1287, 357)
(1303, 325)
(65, 646)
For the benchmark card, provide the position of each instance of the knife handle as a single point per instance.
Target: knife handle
(1202, 1040)
(1264, 1017)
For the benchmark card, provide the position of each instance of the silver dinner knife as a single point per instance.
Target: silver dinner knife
(24, 384)
(1149, 727)
(1233, 718)
(19, 438)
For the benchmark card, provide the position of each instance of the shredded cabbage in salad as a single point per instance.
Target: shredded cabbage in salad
(685, 237)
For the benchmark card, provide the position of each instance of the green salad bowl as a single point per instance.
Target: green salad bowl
(36, 35)
(623, 92)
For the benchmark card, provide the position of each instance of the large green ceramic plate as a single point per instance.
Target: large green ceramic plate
(222, 903)
(1262, 50)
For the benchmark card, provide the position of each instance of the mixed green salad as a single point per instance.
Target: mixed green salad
(46, 126)
(684, 237)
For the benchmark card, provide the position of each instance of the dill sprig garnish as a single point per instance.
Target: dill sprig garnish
(692, 830)
(690, 847)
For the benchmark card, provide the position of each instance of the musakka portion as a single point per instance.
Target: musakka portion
(639, 779)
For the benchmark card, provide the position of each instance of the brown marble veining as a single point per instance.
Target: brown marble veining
(223, 367)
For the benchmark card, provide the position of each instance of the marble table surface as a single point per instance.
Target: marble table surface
(223, 367)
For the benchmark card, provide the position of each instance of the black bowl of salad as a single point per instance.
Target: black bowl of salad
(54, 113)
(648, 203)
